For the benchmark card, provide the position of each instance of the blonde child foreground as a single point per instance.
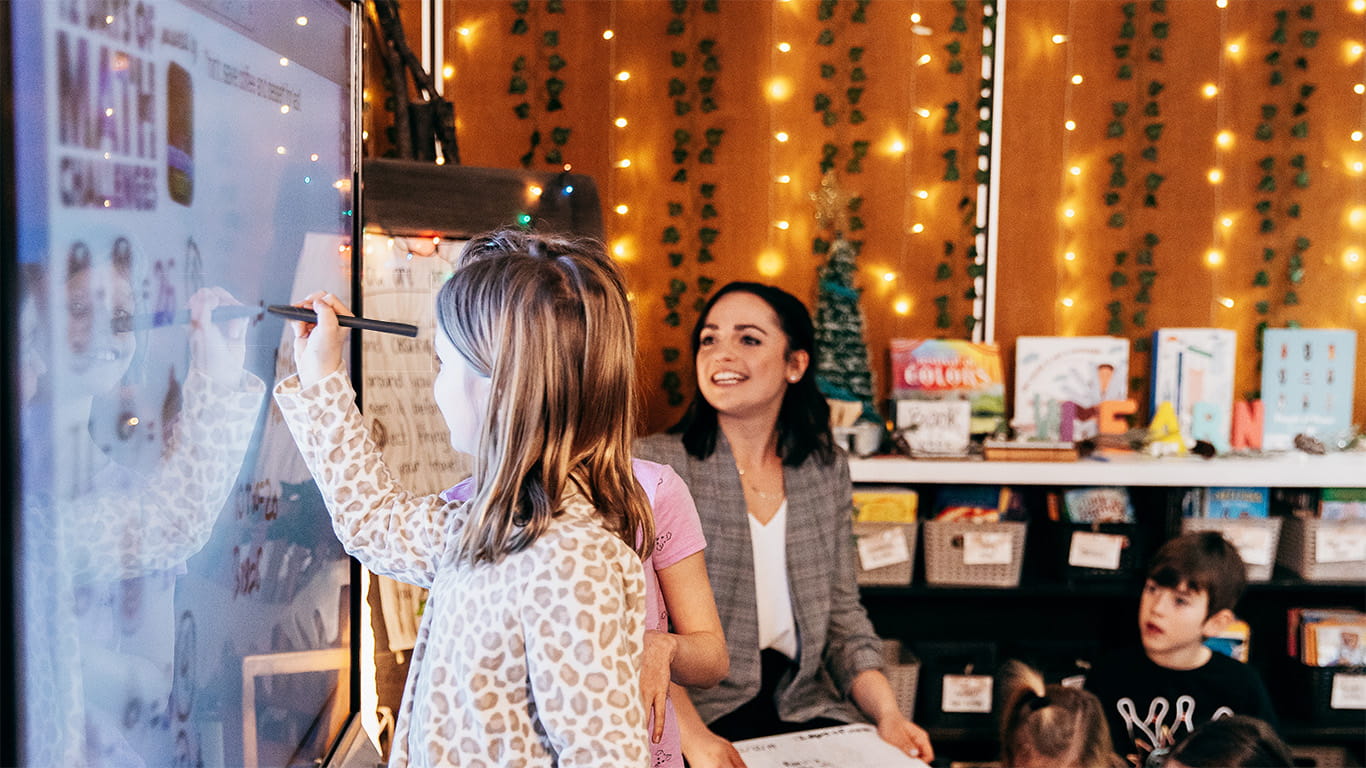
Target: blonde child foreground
(529, 649)
(1051, 726)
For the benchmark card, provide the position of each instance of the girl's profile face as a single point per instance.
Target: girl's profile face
(743, 364)
(461, 394)
(97, 298)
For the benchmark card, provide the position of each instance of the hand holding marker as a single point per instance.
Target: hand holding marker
(144, 322)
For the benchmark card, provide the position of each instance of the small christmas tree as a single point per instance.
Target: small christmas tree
(842, 372)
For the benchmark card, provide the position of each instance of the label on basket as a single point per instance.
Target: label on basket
(881, 549)
(1338, 545)
(1253, 544)
(1095, 550)
(1349, 692)
(986, 548)
(967, 693)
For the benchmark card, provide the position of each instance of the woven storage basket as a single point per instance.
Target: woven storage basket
(1256, 530)
(945, 550)
(902, 669)
(897, 574)
(1299, 548)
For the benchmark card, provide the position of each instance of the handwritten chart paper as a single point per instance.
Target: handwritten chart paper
(843, 746)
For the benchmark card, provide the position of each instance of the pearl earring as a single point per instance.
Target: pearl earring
(793, 379)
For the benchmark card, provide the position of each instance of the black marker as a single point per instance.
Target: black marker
(182, 317)
(345, 321)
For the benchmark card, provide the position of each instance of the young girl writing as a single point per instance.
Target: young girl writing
(529, 649)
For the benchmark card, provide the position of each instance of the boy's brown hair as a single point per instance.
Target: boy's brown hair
(1204, 562)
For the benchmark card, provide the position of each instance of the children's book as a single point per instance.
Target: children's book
(982, 503)
(1098, 505)
(892, 504)
(1060, 381)
(1193, 369)
(1235, 503)
(1342, 503)
(951, 369)
(1233, 641)
(1307, 384)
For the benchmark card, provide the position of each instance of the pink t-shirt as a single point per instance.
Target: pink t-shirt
(678, 534)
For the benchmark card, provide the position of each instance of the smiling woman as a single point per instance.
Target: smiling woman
(774, 496)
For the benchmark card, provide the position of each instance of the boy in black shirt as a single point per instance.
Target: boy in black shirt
(1155, 696)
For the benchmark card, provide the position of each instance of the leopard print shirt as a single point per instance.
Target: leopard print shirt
(532, 661)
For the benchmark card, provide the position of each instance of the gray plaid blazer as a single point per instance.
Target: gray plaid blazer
(835, 639)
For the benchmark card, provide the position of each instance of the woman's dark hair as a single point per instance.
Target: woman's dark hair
(1237, 741)
(804, 418)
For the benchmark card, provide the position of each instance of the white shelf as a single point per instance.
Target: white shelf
(1288, 470)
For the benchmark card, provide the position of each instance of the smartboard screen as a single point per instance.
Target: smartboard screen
(177, 166)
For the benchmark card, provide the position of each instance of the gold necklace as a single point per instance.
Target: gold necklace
(752, 486)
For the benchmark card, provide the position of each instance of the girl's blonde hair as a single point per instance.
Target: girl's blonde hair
(547, 319)
(1051, 725)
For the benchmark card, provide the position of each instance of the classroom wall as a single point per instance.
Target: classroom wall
(1277, 248)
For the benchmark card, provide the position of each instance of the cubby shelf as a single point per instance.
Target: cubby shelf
(1287, 470)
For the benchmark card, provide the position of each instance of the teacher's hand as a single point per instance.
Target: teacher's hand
(906, 736)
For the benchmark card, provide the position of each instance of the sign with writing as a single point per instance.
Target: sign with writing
(1095, 550)
(883, 548)
(935, 427)
(1333, 544)
(986, 548)
(967, 693)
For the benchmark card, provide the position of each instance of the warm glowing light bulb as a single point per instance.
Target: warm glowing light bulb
(624, 163)
(280, 150)
(1214, 258)
(1356, 167)
(1352, 256)
(770, 263)
(567, 168)
(923, 112)
(364, 135)
(1224, 139)
(1070, 256)
(463, 31)
(1356, 135)
(1220, 3)
(902, 307)
(448, 71)
(302, 21)
(619, 250)
(622, 209)
(1215, 176)
(898, 146)
(1227, 221)
(620, 122)
(284, 109)
(889, 277)
(1070, 125)
(623, 75)
(313, 157)
(781, 136)
(1075, 170)
(1070, 213)
(1357, 217)
(918, 228)
(108, 111)
(1359, 6)
(1067, 301)
(779, 88)
(1058, 39)
(915, 18)
(924, 59)
(534, 190)
(784, 179)
(440, 159)
(1227, 302)
(1361, 298)
(922, 194)
(1077, 79)
(1210, 90)
(284, 62)
(608, 34)
(1355, 49)
(1234, 48)
(784, 47)
(784, 224)
(1359, 89)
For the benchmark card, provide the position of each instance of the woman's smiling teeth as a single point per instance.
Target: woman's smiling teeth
(727, 377)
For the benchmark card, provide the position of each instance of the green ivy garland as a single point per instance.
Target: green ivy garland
(701, 94)
(1139, 274)
(826, 107)
(552, 88)
(1278, 201)
(967, 204)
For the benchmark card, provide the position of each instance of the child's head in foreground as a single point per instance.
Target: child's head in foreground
(1237, 741)
(1193, 584)
(1051, 725)
(537, 345)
